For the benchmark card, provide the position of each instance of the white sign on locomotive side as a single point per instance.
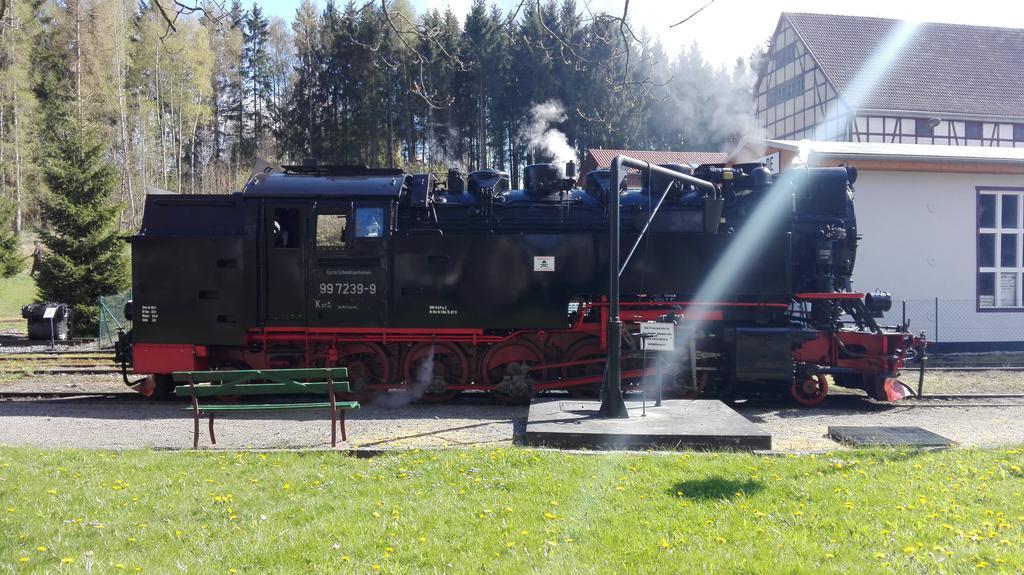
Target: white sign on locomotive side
(658, 336)
(544, 263)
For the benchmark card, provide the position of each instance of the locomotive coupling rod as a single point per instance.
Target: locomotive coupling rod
(612, 404)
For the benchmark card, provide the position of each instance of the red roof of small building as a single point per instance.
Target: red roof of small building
(604, 157)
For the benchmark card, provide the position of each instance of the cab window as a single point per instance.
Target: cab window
(286, 228)
(369, 222)
(330, 231)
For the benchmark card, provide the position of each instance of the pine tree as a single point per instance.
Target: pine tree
(84, 259)
(10, 256)
(256, 78)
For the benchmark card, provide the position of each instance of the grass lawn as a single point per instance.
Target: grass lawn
(16, 292)
(510, 511)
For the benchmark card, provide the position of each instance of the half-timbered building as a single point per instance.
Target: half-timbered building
(857, 79)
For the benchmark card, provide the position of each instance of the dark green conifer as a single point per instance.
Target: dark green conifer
(83, 259)
(10, 256)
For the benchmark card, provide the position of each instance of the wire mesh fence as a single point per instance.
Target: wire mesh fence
(112, 318)
(957, 320)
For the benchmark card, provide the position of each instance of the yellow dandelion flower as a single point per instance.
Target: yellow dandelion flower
(232, 570)
(879, 555)
(549, 515)
(829, 556)
(981, 564)
(510, 544)
(41, 549)
(67, 560)
(909, 549)
(118, 565)
(524, 532)
(376, 567)
(346, 558)
(286, 486)
(719, 539)
(23, 559)
(10, 510)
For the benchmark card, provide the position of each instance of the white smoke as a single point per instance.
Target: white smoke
(541, 136)
(423, 378)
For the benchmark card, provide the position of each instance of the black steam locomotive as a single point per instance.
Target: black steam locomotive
(465, 284)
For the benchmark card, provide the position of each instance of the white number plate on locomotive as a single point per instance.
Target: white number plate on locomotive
(347, 288)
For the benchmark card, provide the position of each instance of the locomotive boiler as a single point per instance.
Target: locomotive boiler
(441, 287)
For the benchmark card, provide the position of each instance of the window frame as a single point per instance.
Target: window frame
(346, 235)
(297, 222)
(970, 126)
(998, 231)
(382, 210)
(922, 129)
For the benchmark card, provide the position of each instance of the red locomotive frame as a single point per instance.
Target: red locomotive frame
(571, 359)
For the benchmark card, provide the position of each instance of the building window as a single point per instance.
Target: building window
(972, 130)
(1018, 132)
(1000, 236)
(923, 127)
(784, 56)
(786, 90)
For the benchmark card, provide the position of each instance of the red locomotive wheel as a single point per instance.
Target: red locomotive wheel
(810, 391)
(369, 368)
(582, 350)
(505, 367)
(429, 368)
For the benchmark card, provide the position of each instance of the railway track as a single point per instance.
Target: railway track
(85, 395)
(15, 343)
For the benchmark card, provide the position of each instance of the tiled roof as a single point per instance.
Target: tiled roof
(942, 69)
(604, 157)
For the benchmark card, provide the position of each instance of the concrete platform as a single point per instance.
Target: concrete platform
(705, 424)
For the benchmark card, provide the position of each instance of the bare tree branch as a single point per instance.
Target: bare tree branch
(699, 10)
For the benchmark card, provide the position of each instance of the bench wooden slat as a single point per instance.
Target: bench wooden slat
(274, 406)
(272, 374)
(208, 390)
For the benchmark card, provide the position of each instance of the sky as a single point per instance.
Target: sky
(730, 29)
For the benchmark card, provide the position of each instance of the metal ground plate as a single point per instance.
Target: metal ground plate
(881, 435)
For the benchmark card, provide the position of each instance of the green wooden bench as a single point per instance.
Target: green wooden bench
(255, 382)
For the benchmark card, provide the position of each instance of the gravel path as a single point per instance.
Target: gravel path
(119, 424)
(137, 423)
(124, 424)
(799, 429)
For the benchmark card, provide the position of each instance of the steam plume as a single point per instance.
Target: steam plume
(540, 136)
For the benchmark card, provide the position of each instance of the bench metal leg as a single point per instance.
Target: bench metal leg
(195, 428)
(213, 438)
(344, 436)
(334, 427)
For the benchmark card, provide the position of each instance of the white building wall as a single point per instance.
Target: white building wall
(920, 242)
